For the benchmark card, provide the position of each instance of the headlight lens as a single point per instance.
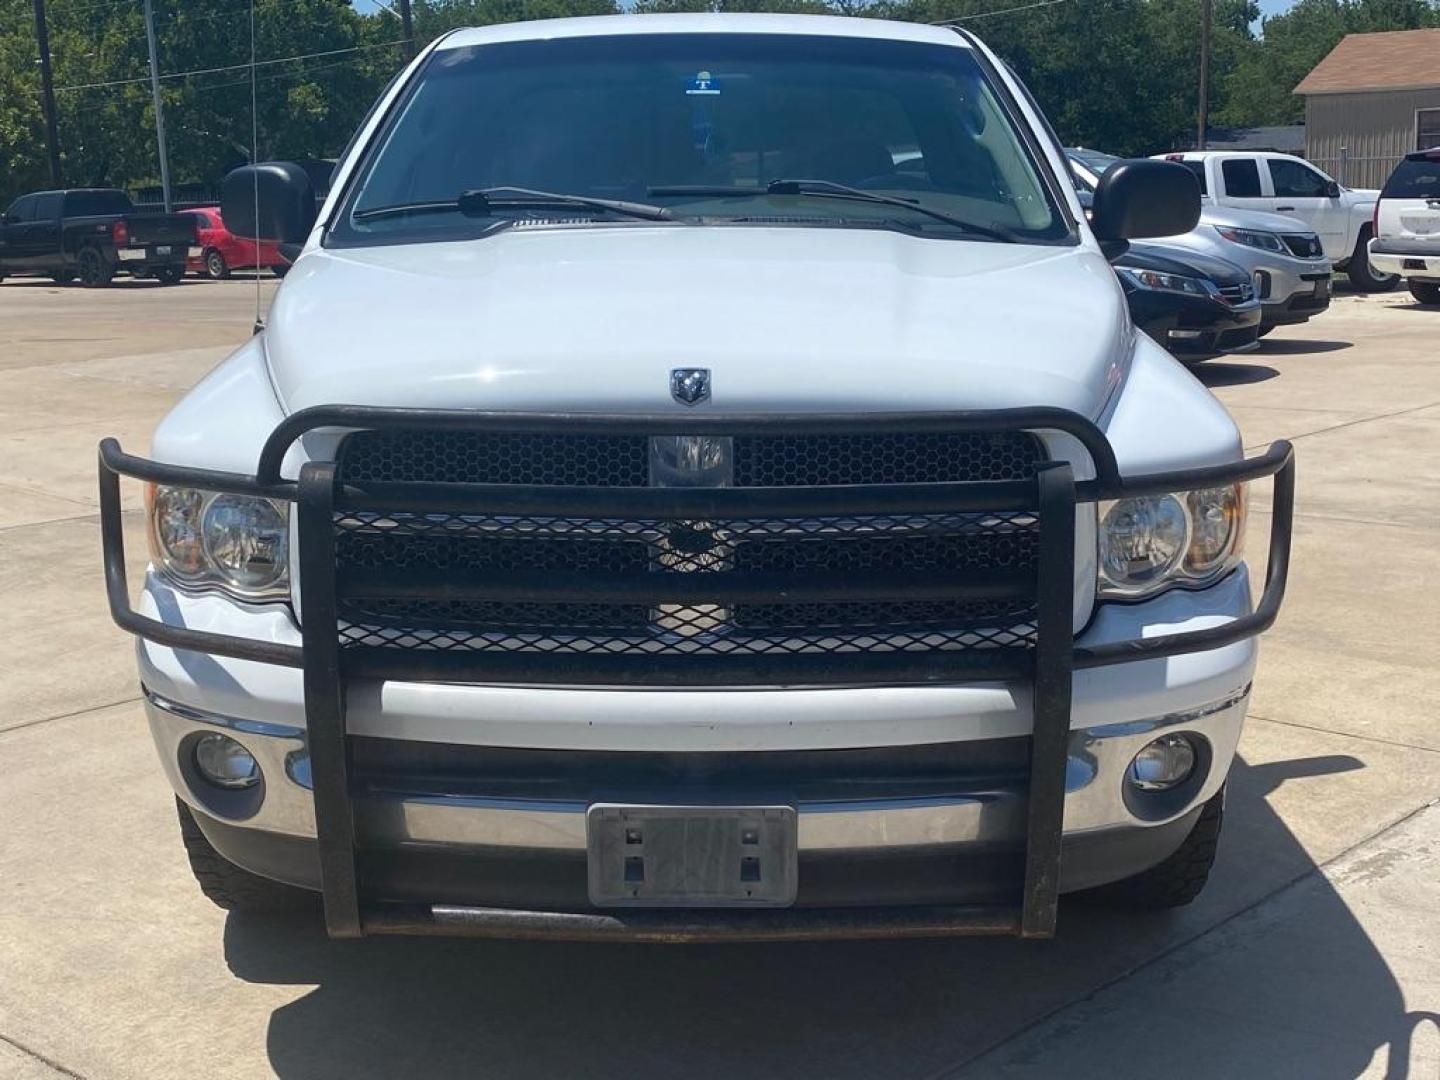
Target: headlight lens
(175, 531)
(246, 540)
(1153, 279)
(1250, 238)
(1149, 543)
(1217, 527)
(239, 544)
(1141, 540)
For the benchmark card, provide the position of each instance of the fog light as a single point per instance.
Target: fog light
(1162, 764)
(225, 763)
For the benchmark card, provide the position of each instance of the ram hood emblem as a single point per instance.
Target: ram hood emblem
(690, 385)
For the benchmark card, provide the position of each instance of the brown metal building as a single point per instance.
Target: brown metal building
(1372, 100)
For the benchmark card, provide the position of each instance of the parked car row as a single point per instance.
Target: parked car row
(1284, 264)
(93, 234)
(1283, 226)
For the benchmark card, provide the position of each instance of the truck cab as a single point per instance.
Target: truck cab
(1285, 184)
(699, 481)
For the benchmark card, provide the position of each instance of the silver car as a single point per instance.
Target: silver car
(1288, 265)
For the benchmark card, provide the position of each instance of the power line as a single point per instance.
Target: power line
(992, 14)
(233, 67)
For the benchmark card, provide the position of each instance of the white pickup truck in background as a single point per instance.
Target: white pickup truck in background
(1283, 184)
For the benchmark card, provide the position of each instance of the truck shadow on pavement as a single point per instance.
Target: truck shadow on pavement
(1325, 1007)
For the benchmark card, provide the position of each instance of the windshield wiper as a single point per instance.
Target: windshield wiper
(829, 189)
(482, 202)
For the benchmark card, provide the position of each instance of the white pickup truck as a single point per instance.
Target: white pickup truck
(1284, 184)
(651, 512)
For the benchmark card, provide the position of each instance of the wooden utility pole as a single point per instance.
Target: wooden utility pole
(1204, 118)
(47, 93)
(159, 105)
(407, 25)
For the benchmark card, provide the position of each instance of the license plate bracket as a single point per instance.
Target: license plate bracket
(691, 856)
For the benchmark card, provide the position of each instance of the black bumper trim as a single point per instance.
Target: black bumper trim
(503, 893)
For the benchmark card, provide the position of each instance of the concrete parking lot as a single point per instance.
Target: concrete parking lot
(1314, 953)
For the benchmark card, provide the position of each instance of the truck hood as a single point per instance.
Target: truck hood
(594, 318)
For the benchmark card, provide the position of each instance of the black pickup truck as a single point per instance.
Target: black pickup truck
(91, 234)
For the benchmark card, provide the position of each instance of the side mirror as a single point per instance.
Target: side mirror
(1332, 190)
(1138, 199)
(274, 200)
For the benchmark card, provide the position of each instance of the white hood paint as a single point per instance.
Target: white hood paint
(593, 319)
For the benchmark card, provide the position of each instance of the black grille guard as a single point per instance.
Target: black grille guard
(1051, 495)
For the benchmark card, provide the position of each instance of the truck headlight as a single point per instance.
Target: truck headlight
(238, 544)
(1153, 279)
(1251, 238)
(1151, 542)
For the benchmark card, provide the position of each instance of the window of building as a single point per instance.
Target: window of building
(1242, 178)
(1427, 129)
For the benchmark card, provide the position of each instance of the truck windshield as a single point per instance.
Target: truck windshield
(714, 128)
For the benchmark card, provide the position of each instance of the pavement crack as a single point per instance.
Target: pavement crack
(49, 1063)
(67, 716)
(956, 1071)
(1362, 420)
(1346, 734)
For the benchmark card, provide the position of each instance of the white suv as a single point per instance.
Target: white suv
(1407, 225)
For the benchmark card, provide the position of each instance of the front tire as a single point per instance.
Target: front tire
(1360, 272)
(1180, 878)
(63, 278)
(229, 887)
(216, 268)
(170, 275)
(1427, 292)
(93, 269)
(280, 270)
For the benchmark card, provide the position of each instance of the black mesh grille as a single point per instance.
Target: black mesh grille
(623, 460)
(848, 548)
(481, 458)
(794, 460)
(845, 549)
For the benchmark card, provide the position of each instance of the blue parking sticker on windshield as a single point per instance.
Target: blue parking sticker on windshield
(703, 84)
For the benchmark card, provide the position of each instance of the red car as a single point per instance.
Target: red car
(222, 251)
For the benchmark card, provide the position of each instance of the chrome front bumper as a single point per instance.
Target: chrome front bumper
(1096, 797)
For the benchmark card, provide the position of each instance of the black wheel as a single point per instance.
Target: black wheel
(1362, 275)
(63, 278)
(94, 270)
(280, 269)
(216, 268)
(1179, 879)
(1427, 292)
(169, 275)
(1264, 330)
(230, 887)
